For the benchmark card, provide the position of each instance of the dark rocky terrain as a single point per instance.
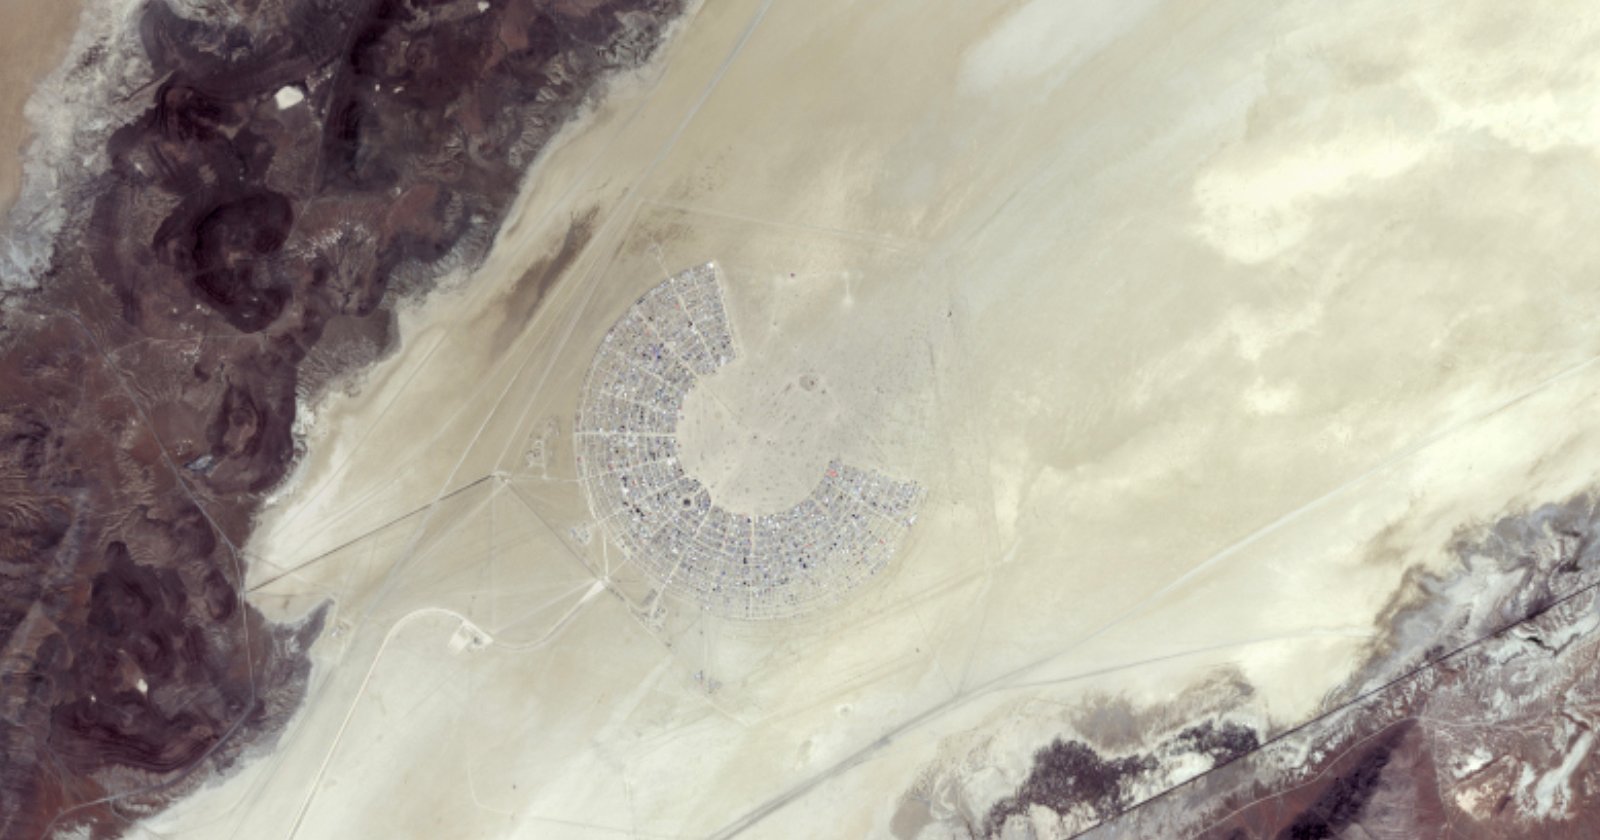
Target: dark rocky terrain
(235, 256)
(1476, 721)
(1072, 777)
(1474, 716)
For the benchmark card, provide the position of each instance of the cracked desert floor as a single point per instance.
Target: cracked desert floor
(1205, 330)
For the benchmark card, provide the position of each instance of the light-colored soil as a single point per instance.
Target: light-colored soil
(33, 39)
(757, 438)
(1201, 325)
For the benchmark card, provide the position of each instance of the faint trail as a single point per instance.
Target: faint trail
(867, 752)
(508, 224)
(561, 623)
(1364, 696)
(1278, 524)
(1252, 803)
(328, 483)
(290, 570)
(327, 758)
(116, 373)
(892, 242)
(377, 658)
(577, 312)
(1002, 681)
(390, 578)
(861, 756)
(631, 196)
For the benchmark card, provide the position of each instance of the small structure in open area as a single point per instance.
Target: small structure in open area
(748, 566)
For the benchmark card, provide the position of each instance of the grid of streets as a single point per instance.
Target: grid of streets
(732, 564)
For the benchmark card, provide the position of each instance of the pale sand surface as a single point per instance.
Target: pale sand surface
(1200, 331)
(33, 39)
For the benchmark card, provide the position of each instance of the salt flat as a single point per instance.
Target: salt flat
(33, 38)
(1200, 331)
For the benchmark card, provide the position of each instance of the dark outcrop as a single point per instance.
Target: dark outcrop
(234, 256)
(1474, 720)
(1069, 775)
(1221, 743)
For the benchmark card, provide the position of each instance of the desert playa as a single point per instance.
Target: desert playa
(1200, 330)
(33, 40)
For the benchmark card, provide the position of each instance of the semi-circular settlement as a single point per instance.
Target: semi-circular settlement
(733, 564)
